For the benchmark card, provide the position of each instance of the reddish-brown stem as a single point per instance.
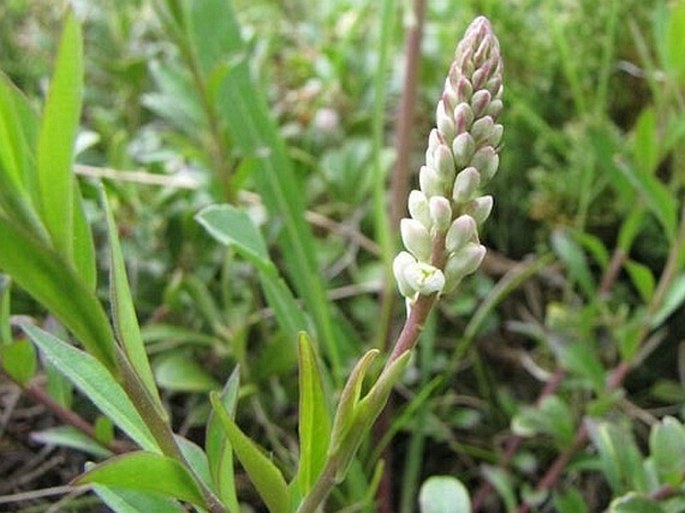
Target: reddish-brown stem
(67, 416)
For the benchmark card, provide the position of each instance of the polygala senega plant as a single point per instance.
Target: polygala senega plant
(442, 247)
(440, 236)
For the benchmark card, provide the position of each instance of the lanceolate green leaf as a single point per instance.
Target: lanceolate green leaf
(131, 501)
(45, 275)
(124, 313)
(265, 477)
(254, 132)
(218, 446)
(147, 472)
(56, 139)
(95, 381)
(314, 420)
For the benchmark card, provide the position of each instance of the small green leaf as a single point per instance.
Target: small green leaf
(667, 450)
(634, 503)
(444, 494)
(67, 436)
(56, 139)
(571, 501)
(672, 301)
(581, 358)
(104, 429)
(94, 380)
(130, 501)
(196, 458)
(573, 257)
(502, 483)
(147, 472)
(642, 278)
(552, 417)
(630, 227)
(124, 317)
(265, 476)
(235, 229)
(181, 372)
(675, 50)
(218, 446)
(18, 360)
(314, 420)
(646, 142)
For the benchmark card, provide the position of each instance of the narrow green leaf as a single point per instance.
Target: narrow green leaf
(83, 245)
(646, 142)
(218, 446)
(5, 295)
(147, 472)
(444, 494)
(56, 139)
(180, 372)
(570, 501)
(265, 476)
(573, 257)
(658, 198)
(18, 360)
(502, 483)
(196, 458)
(46, 277)
(630, 228)
(124, 317)
(675, 296)
(667, 450)
(552, 417)
(675, 50)
(635, 503)
(93, 380)
(314, 421)
(131, 501)
(642, 278)
(68, 436)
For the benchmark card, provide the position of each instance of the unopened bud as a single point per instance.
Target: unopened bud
(462, 232)
(494, 109)
(440, 213)
(479, 208)
(424, 278)
(416, 239)
(444, 121)
(464, 262)
(430, 182)
(495, 136)
(486, 162)
(401, 262)
(463, 149)
(463, 117)
(466, 185)
(418, 208)
(480, 101)
(444, 163)
(481, 129)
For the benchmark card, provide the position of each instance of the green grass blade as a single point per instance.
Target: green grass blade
(145, 471)
(314, 421)
(46, 277)
(56, 139)
(265, 476)
(218, 446)
(95, 382)
(126, 324)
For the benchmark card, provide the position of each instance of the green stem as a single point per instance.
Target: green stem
(323, 486)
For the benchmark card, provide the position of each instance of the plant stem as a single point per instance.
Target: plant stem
(323, 486)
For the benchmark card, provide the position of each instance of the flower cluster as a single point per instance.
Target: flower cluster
(441, 237)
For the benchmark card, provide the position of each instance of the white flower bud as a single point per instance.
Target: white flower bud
(463, 149)
(416, 239)
(463, 231)
(479, 208)
(495, 136)
(486, 161)
(494, 109)
(401, 262)
(424, 278)
(444, 121)
(465, 185)
(482, 128)
(418, 208)
(444, 163)
(463, 263)
(440, 213)
(434, 140)
(430, 182)
(480, 101)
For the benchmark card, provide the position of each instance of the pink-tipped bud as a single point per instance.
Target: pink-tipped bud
(486, 161)
(430, 183)
(444, 163)
(480, 101)
(440, 214)
(463, 117)
(481, 129)
(463, 149)
(445, 121)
